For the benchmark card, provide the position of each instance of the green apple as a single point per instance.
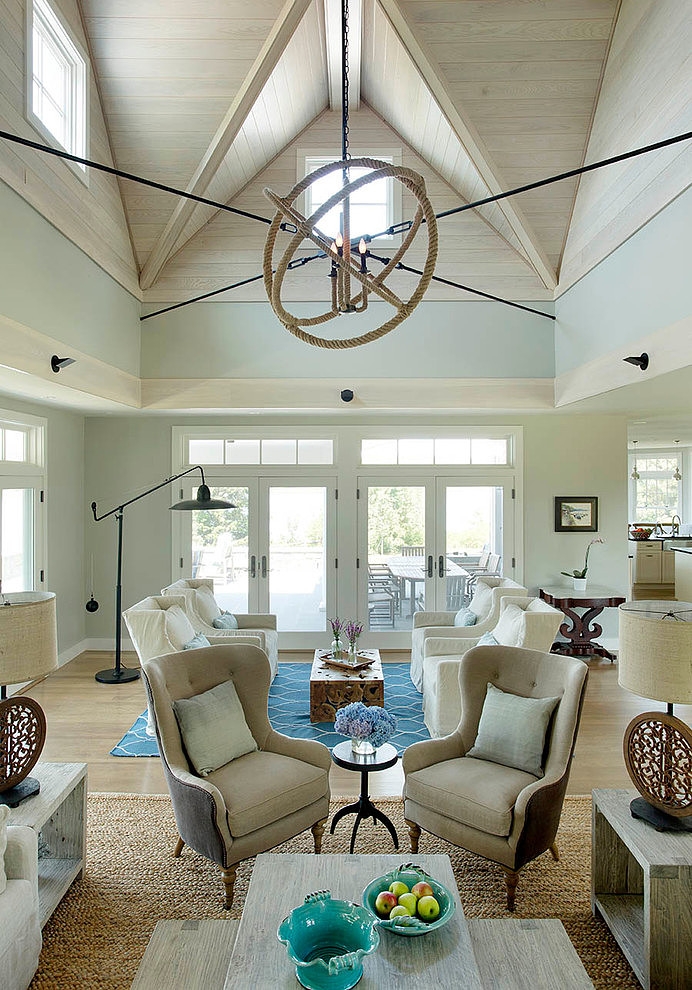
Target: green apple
(428, 908)
(422, 889)
(384, 902)
(409, 901)
(398, 887)
(399, 912)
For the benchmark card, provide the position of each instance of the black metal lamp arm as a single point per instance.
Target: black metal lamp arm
(166, 481)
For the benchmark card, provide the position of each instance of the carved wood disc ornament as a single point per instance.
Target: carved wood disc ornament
(22, 735)
(658, 755)
(345, 262)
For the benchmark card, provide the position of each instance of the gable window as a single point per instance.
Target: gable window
(374, 207)
(56, 81)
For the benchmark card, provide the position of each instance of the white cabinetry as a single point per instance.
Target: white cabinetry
(653, 569)
(647, 563)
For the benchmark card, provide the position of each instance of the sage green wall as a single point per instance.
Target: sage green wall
(48, 284)
(65, 510)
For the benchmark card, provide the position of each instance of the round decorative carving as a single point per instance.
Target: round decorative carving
(22, 735)
(658, 754)
(345, 267)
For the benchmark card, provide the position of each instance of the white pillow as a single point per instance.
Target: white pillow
(207, 606)
(213, 728)
(4, 815)
(510, 627)
(482, 600)
(179, 629)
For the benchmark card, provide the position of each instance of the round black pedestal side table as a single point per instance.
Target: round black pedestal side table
(383, 758)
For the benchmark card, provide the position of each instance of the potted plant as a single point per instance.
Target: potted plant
(579, 576)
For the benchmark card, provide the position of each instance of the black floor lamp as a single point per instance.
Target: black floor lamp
(120, 674)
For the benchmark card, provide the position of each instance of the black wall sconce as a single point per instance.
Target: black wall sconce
(347, 394)
(641, 362)
(57, 363)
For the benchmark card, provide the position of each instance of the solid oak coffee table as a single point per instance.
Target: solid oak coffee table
(332, 688)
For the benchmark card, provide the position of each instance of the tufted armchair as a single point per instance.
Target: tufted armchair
(485, 604)
(525, 622)
(505, 814)
(255, 801)
(202, 608)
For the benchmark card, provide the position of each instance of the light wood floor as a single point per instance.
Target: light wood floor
(86, 719)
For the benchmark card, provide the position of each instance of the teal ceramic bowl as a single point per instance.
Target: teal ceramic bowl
(410, 875)
(327, 940)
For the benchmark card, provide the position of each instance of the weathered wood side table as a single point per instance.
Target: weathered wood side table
(58, 814)
(641, 885)
(331, 689)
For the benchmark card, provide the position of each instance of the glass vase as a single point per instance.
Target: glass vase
(336, 649)
(353, 652)
(362, 747)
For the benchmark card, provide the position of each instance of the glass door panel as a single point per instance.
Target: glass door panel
(220, 548)
(396, 563)
(17, 539)
(295, 566)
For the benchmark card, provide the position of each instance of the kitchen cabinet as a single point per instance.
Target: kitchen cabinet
(647, 563)
(667, 567)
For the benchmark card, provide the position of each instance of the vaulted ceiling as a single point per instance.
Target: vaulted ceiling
(214, 96)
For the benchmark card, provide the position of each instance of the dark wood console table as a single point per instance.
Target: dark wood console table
(583, 631)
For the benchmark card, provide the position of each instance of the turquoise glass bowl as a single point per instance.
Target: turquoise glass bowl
(327, 940)
(410, 875)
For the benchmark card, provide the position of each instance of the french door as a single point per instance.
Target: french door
(20, 535)
(274, 552)
(414, 536)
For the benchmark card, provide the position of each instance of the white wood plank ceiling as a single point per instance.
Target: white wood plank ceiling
(215, 96)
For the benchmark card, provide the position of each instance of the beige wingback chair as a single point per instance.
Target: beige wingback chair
(202, 608)
(525, 622)
(20, 929)
(159, 625)
(485, 604)
(257, 800)
(504, 814)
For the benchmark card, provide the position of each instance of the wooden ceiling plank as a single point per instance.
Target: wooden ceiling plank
(266, 61)
(472, 143)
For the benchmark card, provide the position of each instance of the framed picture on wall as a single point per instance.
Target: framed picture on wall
(576, 514)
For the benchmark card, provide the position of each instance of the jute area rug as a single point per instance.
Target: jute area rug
(97, 935)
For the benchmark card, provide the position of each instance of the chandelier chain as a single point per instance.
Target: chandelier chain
(345, 152)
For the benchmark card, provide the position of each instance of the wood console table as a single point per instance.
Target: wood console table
(583, 631)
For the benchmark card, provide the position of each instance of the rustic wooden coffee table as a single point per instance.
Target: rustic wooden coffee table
(331, 689)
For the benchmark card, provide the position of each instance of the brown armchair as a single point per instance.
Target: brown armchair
(257, 800)
(500, 812)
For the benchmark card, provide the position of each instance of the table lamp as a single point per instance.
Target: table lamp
(28, 649)
(655, 661)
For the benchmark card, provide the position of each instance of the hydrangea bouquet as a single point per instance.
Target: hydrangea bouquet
(366, 723)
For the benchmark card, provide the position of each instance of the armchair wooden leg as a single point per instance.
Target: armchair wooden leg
(228, 877)
(178, 847)
(511, 880)
(317, 833)
(555, 852)
(413, 835)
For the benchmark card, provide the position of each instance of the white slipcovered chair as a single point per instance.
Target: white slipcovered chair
(20, 929)
(202, 608)
(524, 622)
(158, 625)
(485, 604)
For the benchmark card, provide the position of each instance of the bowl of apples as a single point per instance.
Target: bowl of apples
(408, 901)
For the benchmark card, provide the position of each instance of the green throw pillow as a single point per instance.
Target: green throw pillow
(213, 728)
(225, 621)
(465, 617)
(512, 729)
(197, 641)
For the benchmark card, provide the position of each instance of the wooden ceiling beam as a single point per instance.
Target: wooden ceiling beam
(280, 35)
(472, 143)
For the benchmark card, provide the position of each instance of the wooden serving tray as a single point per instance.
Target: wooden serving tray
(329, 661)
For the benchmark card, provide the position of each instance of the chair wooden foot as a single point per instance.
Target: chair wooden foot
(317, 833)
(413, 835)
(178, 847)
(511, 880)
(228, 877)
(555, 852)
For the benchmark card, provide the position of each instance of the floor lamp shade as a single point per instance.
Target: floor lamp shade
(28, 649)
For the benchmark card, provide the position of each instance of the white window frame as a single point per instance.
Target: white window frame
(30, 473)
(63, 39)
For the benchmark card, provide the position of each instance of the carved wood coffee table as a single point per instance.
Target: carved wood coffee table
(331, 689)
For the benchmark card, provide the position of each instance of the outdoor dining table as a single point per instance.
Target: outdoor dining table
(411, 570)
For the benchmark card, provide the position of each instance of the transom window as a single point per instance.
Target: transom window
(221, 450)
(21, 442)
(57, 81)
(372, 206)
(441, 450)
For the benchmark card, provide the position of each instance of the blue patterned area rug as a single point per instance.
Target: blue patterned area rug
(289, 711)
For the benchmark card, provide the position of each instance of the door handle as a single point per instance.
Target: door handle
(264, 565)
(441, 565)
(253, 566)
(430, 565)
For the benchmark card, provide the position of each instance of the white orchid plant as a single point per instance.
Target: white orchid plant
(582, 573)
